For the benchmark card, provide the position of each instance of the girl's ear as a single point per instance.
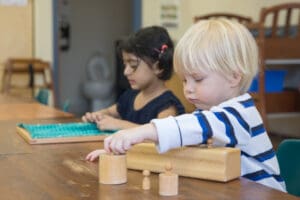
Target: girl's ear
(156, 69)
(235, 79)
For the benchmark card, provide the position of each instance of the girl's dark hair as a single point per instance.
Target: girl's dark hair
(151, 44)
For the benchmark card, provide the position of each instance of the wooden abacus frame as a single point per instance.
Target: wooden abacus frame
(27, 137)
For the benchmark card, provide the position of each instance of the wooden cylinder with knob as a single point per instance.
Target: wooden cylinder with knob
(209, 143)
(168, 182)
(146, 180)
(112, 169)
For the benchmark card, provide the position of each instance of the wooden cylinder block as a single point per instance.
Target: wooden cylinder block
(112, 169)
(168, 184)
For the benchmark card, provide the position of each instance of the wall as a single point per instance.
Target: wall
(43, 33)
(95, 26)
(190, 8)
(16, 35)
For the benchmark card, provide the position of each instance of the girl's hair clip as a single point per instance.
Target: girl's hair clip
(164, 47)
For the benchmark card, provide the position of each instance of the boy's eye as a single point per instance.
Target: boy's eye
(198, 79)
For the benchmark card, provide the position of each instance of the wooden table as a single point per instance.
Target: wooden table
(30, 111)
(10, 99)
(12, 107)
(59, 171)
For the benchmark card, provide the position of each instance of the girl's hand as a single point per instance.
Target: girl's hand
(91, 117)
(94, 155)
(106, 122)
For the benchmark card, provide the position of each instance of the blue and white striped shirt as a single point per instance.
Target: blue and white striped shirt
(234, 123)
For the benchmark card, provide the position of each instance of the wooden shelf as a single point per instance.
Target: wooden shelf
(286, 101)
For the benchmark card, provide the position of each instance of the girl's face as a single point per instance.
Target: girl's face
(208, 89)
(138, 72)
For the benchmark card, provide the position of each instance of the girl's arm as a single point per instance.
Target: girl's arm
(170, 111)
(106, 122)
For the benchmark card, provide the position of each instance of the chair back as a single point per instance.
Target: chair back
(279, 31)
(242, 19)
(289, 163)
(279, 39)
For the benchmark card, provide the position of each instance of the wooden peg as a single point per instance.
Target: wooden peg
(209, 143)
(168, 182)
(146, 180)
(112, 169)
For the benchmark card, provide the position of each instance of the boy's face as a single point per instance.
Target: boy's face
(208, 89)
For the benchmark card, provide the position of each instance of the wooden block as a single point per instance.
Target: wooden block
(168, 182)
(112, 169)
(216, 163)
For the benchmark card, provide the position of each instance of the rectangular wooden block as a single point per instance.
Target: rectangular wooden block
(216, 163)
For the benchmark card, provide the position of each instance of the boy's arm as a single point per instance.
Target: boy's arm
(174, 132)
(122, 141)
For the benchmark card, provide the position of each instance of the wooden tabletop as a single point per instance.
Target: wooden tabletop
(59, 171)
(30, 111)
(10, 99)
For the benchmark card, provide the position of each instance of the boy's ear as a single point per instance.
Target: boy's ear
(235, 79)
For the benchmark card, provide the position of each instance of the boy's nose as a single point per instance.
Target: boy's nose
(188, 87)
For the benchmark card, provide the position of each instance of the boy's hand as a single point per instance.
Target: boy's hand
(121, 141)
(94, 155)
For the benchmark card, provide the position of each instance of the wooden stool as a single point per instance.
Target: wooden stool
(29, 67)
(112, 169)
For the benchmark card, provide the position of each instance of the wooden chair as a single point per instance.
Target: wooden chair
(29, 67)
(278, 41)
(289, 163)
(242, 19)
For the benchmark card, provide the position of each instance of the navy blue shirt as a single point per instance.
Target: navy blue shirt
(125, 106)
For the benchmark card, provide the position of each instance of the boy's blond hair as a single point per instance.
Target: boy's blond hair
(218, 45)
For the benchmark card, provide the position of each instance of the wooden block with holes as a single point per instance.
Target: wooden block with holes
(216, 163)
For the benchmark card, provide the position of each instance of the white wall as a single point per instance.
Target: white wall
(43, 33)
